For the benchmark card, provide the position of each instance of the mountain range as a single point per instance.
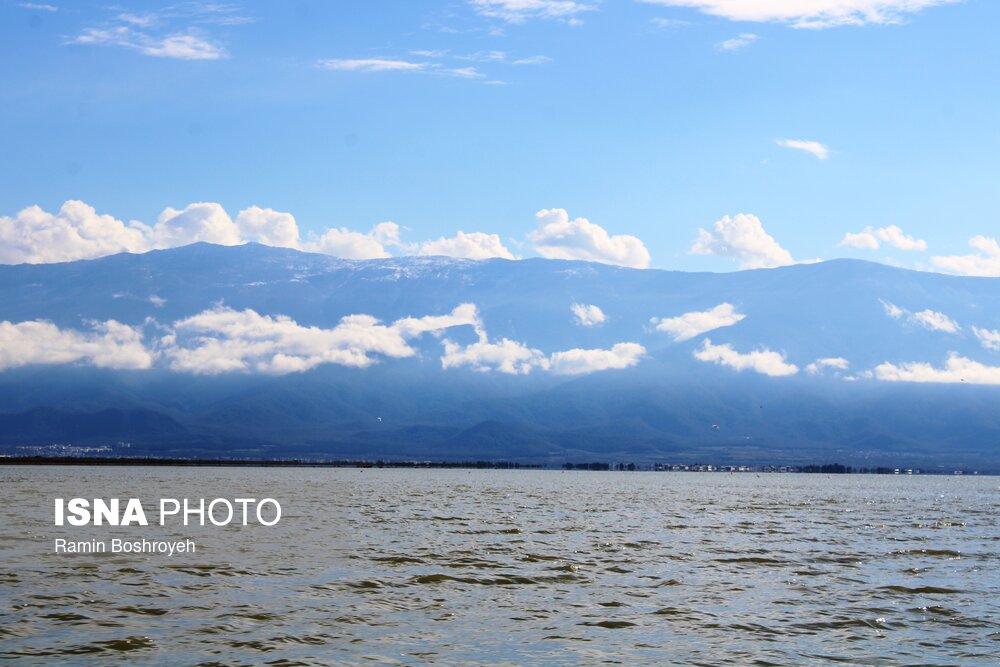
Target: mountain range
(255, 351)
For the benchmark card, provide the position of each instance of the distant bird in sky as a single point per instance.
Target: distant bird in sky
(379, 419)
(716, 427)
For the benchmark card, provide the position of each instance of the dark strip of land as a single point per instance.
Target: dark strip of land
(252, 463)
(829, 469)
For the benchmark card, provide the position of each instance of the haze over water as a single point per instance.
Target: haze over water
(512, 567)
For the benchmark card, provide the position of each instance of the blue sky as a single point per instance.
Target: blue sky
(652, 120)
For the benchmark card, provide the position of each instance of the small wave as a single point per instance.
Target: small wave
(611, 625)
(508, 580)
(921, 590)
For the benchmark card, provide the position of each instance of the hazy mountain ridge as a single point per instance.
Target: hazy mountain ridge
(664, 407)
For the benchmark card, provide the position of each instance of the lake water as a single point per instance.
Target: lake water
(458, 567)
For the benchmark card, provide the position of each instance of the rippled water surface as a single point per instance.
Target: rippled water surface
(505, 567)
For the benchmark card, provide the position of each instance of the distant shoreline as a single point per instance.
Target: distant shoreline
(168, 462)
(256, 463)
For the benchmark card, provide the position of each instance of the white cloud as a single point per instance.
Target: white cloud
(465, 314)
(808, 13)
(588, 315)
(184, 47)
(736, 43)
(514, 358)
(76, 232)
(532, 60)
(742, 237)
(892, 310)
(175, 31)
(579, 362)
(928, 319)
(957, 369)
(464, 72)
(895, 237)
(191, 45)
(986, 262)
(474, 245)
(869, 238)
(386, 233)
(430, 53)
(435, 63)
(188, 13)
(814, 148)
(835, 363)
(505, 356)
(763, 361)
(347, 244)
(492, 56)
(864, 240)
(661, 23)
(988, 338)
(687, 326)
(519, 11)
(110, 344)
(267, 226)
(223, 340)
(371, 65)
(558, 237)
(935, 321)
(38, 7)
(204, 221)
(142, 20)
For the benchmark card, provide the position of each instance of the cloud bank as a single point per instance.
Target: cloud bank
(109, 344)
(223, 340)
(77, 231)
